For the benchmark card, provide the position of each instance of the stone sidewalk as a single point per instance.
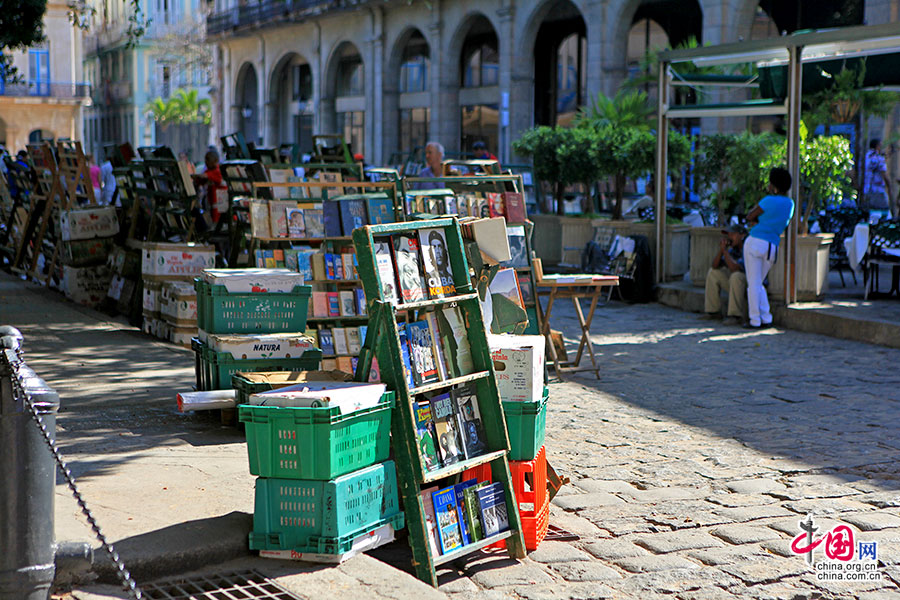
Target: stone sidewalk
(692, 462)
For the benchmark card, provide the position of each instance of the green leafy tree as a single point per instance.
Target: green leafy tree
(540, 145)
(21, 25)
(184, 107)
(628, 108)
(727, 168)
(825, 162)
(579, 159)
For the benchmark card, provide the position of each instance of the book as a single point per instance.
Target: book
(430, 519)
(279, 176)
(446, 429)
(347, 260)
(470, 424)
(329, 265)
(353, 341)
(473, 510)
(455, 342)
(518, 252)
(461, 508)
(449, 533)
(304, 263)
(334, 304)
(320, 304)
(326, 342)
(492, 509)
(425, 436)
(525, 287)
(503, 308)
(331, 192)
(515, 207)
(259, 219)
(278, 254)
(295, 191)
(313, 219)
(340, 340)
(496, 208)
(331, 216)
(374, 371)
(348, 303)
(380, 209)
(363, 330)
(436, 345)
(317, 266)
(422, 353)
(290, 259)
(409, 273)
(436, 263)
(404, 355)
(295, 224)
(353, 215)
(385, 264)
(346, 364)
(278, 217)
(360, 301)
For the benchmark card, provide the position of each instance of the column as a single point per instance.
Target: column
(374, 89)
(506, 45)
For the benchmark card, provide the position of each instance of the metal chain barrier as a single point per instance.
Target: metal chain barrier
(19, 388)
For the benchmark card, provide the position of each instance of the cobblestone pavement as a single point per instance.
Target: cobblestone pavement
(695, 456)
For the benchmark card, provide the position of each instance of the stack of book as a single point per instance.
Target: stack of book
(340, 346)
(464, 513)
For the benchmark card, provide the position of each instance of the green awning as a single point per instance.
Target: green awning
(881, 69)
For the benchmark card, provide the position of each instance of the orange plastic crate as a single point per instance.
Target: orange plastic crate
(529, 479)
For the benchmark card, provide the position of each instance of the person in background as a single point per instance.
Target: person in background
(94, 171)
(481, 151)
(434, 156)
(876, 185)
(212, 178)
(727, 272)
(108, 185)
(769, 219)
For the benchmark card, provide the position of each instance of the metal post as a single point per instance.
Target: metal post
(795, 81)
(662, 148)
(27, 479)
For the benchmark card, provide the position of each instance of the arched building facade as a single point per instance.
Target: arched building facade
(390, 76)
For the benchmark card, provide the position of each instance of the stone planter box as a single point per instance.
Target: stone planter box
(811, 269)
(559, 239)
(704, 247)
(678, 244)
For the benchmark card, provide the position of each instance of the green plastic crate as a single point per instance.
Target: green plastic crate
(216, 368)
(295, 514)
(219, 311)
(526, 426)
(315, 443)
(319, 544)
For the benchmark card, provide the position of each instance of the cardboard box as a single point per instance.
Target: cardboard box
(182, 335)
(271, 345)
(254, 280)
(178, 303)
(518, 366)
(86, 285)
(151, 298)
(176, 262)
(88, 223)
(81, 253)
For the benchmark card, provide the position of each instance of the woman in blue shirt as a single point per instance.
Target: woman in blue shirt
(768, 219)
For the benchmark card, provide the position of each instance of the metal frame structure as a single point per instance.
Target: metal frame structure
(793, 50)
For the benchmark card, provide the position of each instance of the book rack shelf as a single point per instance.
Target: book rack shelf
(383, 341)
(339, 335)
(447, 201)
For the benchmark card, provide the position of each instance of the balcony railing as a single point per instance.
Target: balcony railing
(46, 89)
(266, 11)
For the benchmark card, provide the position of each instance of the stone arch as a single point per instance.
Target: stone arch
(407, 109)
(395, 57)
(458, 39)
(246, 102)
(332, 68)
(289, 120)
(342, 106)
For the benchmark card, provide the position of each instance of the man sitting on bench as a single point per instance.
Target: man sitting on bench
(727, 272)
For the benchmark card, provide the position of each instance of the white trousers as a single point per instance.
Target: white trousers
(759, 256)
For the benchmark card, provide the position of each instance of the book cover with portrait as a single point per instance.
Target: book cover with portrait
(409, 272)
(436, 263)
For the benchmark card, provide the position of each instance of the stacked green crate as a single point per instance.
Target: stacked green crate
(325, 486)
(251, 320)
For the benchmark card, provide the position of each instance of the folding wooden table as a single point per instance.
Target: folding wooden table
(577, 286)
